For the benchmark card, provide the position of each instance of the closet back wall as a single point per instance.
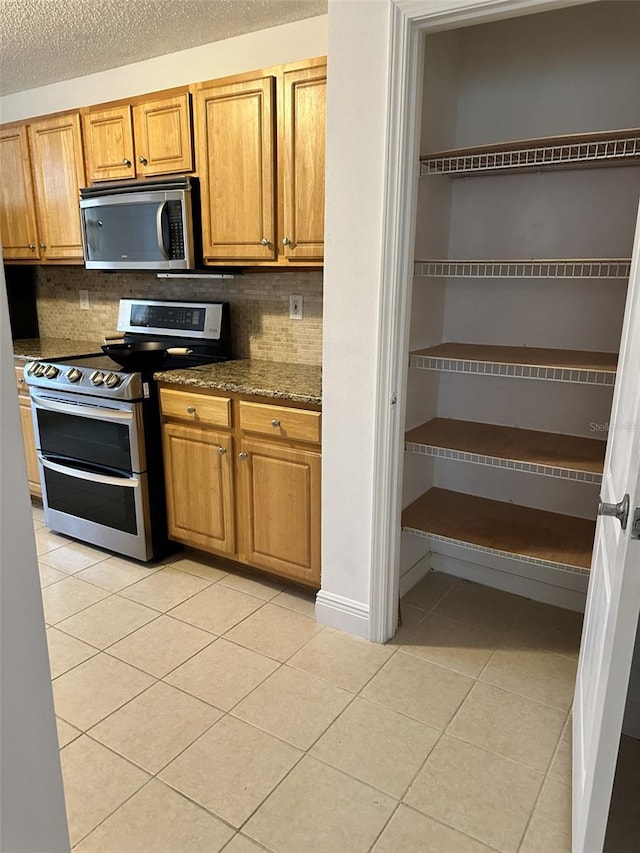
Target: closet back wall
(260, 322)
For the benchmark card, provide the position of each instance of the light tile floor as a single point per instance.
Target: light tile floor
(205, 710)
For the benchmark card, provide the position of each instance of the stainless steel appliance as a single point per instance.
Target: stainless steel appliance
(141, 225)
(97, 427)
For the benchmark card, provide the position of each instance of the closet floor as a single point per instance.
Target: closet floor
(200, 709)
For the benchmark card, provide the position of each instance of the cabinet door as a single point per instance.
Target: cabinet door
(302, 159)
(235, 151)
(58, 170)
(162, 131)
(18, 229)
(28, 437)
(281, 509)
(199, 485)
(108, 143)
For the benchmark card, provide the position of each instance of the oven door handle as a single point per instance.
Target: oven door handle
(128, 482)
(87, 411)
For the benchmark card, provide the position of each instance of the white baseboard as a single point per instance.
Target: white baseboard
(519, 584)
(415, 574)
(343, 613)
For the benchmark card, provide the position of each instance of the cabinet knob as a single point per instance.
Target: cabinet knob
(222, 450)
(265, 242)
(126, 162)
(32, 246)
(43, 245)
(191, 410)
(275, 422)
(242, 455)
(143, 160)
(286, 241)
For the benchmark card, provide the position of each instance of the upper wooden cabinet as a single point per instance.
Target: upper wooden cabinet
(262, 201)
(150, 137)
(301, 161)
(18, 228)
(58, 173)
(235, 143)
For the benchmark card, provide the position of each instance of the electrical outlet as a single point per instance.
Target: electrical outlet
(296, 306)
(84, 299)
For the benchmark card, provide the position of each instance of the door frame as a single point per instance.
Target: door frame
(410, 19)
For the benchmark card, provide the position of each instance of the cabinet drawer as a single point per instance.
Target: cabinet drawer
(196, 408)
(280, 422)
(23, 388)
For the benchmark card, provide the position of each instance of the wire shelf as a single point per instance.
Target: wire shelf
(559, 152)
(514, 371)
(616, 268)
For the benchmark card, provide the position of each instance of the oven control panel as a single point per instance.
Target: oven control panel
(180, 319)
(84, 379)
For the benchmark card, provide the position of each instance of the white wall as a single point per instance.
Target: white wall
(276, 46)
(357, 99)
(32, 809)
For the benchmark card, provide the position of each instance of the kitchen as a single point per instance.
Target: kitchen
(348, 550)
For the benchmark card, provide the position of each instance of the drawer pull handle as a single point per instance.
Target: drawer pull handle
(275, 422)
(242, 455)
(222, 450)
(191, 410)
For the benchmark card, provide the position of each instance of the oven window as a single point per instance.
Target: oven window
(99, 443)
(111, 506)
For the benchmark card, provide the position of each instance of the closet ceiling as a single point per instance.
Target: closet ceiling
(44, 41)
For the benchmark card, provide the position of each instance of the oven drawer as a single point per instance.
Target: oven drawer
(281, 422)
(200, 409)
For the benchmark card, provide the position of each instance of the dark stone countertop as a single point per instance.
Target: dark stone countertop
(300, 383)
(48, 349)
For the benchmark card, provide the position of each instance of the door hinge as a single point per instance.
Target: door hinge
(635, 525)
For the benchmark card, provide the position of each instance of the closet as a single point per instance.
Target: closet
(528, 193)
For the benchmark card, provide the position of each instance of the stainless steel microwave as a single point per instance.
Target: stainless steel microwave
(141, 225)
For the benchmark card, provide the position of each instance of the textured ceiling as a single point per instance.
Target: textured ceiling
(44, 41)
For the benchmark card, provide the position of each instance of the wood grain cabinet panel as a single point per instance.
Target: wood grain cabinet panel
(235, 144)
(259, 505)
(280, 422)
(18, 228)
(199, 486)
(108, 141)
(162, 130)
(58, 171)
(302, 162)
(280, 502)
(126, 141)
(28, 436)
(199, 409)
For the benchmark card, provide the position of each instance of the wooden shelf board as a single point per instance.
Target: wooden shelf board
(533, 535)
(529, 356)
(532, 447)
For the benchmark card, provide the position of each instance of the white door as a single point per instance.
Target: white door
(613, 600)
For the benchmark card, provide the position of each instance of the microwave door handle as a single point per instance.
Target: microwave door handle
(159, 230)
(129, 482)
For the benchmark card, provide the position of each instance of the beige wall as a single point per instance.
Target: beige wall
(261, 327)
(287, 43)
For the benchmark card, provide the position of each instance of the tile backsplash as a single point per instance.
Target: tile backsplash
(259, 303)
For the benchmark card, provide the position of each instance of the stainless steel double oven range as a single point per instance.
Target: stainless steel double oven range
(97, 425)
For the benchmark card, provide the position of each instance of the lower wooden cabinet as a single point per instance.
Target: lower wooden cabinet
(199, 487)
(243, 480)
(28, 437)
(280, 509)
